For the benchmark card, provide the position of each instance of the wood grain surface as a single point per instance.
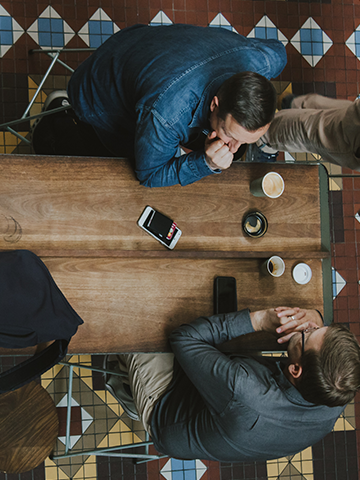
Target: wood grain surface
(80, 216)
(29, 426)
(91, 206)
(133, 304)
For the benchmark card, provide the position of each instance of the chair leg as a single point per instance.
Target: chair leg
(54, 55)
(107, 451)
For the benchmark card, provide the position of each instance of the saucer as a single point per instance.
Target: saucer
(302, 273)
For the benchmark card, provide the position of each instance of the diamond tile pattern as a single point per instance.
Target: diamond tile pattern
(98, 29)
(10, 31)
(183, 469)
(338, 283)
(160, 19)
(353, 42)
(266, 29)
(311, 42)
(50, 30)
(221, 21)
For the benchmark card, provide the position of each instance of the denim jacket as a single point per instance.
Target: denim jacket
(151, 88)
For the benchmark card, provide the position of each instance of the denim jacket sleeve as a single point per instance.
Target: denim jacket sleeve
(156, 145)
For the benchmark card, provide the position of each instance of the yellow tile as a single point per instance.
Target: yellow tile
(334, 184)
(45, 383)
(88, 381)
(52, 372)
(102, 395)
(80, 474)
(275, 467)
(306, 454)
(32, 87)
(8, 141)
(52, 472)
(127, 438)
(90, 467)
(307, 467)
(342, 425)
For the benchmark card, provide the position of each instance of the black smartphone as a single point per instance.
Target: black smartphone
(225, 295)
(160, 227)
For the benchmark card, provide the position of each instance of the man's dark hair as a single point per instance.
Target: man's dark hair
(331, 376)
(250, 98)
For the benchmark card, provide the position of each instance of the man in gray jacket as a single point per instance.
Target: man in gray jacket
(209, 405)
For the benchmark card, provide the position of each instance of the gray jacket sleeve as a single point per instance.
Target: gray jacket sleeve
(210, 370)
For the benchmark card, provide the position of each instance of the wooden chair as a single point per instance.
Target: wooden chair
(29, 427)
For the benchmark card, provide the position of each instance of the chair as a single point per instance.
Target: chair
(116, 451)
(54, 55)
(29, 427)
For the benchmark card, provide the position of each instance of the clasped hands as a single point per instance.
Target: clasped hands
(285, 321)
(217, 153)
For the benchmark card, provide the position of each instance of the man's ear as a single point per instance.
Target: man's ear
(214, 103)
(295, 370)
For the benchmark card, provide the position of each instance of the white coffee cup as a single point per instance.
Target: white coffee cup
(270, 185)
(274, 266)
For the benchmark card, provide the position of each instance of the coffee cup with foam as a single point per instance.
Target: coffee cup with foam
(270, 185)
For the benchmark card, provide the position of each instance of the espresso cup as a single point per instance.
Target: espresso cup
(270, 185)
(274, 266)
(255, 224)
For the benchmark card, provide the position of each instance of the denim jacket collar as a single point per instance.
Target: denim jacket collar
(202, 110)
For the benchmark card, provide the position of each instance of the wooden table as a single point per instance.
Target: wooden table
(80, 216)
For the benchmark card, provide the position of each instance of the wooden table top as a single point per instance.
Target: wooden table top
(64, 206)
(80, 216)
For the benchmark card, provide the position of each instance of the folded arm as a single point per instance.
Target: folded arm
(156, 146)
(210, 370)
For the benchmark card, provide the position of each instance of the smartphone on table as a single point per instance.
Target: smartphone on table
(225, 296)
(160, 227)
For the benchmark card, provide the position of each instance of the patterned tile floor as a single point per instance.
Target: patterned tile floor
(322, 39)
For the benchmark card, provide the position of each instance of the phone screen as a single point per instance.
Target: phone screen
(161, 226)
(225, 297)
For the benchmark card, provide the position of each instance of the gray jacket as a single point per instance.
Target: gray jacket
(232, 408)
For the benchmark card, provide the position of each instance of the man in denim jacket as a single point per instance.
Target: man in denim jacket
(147, 90)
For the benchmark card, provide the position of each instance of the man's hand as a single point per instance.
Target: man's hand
(285, 321)
(294, 320)
(265, 320)
(217, 153)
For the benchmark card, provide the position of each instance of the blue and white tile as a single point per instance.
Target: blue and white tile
(50, 30)
(98, 29)
(353, 42)
(183, 469)
(160, 19)
(10, 31)
(311, 41)
(266, 29)
(338, 283)
(221, 22)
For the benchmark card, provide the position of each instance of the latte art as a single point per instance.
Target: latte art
(273, 185)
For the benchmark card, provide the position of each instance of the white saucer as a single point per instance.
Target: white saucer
(302, 273)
